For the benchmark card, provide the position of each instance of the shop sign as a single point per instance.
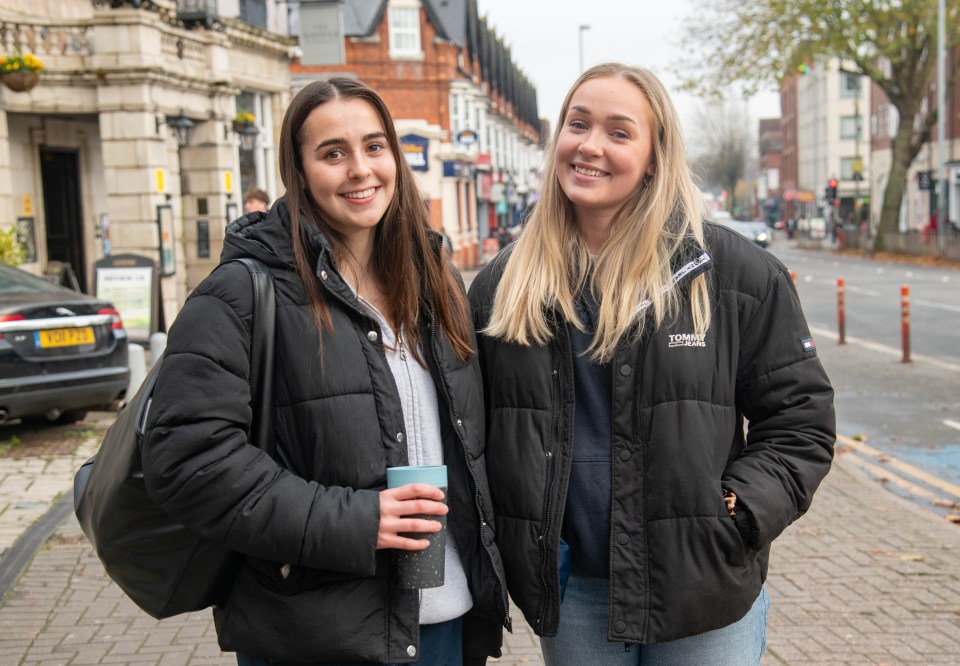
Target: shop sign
(467, 137)
(414, 149)
(321, 33)
(485, 186)
(128, 281)
(454, 169)
(798, 195)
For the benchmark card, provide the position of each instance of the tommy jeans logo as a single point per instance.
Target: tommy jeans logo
(687, 340)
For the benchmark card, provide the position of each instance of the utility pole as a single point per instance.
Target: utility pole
(584, 28)
(941, 127)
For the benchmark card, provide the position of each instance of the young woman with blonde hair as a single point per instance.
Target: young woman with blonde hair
(623, 342)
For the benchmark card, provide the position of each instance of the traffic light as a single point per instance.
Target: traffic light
(832, 189)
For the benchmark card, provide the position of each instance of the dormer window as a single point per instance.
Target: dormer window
(404, 24)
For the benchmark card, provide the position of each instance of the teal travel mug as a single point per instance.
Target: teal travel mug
(418, 569)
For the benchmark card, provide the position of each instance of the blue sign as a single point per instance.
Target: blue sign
(414, 149)
(454, 169)
(467, 137)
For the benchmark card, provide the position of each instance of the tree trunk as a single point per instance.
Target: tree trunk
(903, 153)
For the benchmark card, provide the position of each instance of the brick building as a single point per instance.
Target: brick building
(126, 144)
(466, 113)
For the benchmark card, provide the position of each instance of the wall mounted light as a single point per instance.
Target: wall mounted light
(246, 131)
(181, 125)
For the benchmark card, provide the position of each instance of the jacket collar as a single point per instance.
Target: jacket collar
(694, 267)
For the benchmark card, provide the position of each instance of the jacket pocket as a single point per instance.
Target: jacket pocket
(293, 579)
(740, 553)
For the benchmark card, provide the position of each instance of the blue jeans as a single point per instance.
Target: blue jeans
(441, 644)
(582, 635)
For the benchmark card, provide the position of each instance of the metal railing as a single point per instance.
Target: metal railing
(918, 243)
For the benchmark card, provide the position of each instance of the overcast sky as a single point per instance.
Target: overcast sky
(544, 39)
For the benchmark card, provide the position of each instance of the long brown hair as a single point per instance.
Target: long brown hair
(549, 263)
(419, 275)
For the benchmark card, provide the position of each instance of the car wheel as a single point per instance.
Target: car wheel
(70, 416)
(61, 418)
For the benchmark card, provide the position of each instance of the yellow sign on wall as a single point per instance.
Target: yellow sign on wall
(161, 178)
(27, 205)
(228, 181)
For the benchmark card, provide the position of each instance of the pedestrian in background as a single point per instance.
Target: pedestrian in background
(623, 342)
(256, 200)
(375, 368)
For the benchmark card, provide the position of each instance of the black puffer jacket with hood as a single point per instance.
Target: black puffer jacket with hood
(313, 586)
(679, 565)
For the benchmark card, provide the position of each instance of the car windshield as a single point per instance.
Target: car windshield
(15, 281)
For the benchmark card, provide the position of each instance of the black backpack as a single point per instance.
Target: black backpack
(164, 567)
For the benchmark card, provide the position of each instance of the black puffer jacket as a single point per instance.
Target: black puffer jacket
(339, 425)
(678, 564)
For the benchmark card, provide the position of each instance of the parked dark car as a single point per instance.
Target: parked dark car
(756, 230)
(62, 352)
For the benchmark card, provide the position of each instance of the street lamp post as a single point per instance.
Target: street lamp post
(583, 28)
(857, 159)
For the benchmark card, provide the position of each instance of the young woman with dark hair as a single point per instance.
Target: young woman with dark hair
(375, 368)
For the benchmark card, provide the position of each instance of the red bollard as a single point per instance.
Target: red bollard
(905, 321)
(841, 313)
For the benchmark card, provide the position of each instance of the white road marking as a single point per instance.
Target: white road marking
(938, 306)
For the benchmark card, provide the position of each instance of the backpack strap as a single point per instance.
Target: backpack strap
(262, 341)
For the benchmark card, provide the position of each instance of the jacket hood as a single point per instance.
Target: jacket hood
(265, 236)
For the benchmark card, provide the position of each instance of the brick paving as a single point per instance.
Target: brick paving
(865, 578)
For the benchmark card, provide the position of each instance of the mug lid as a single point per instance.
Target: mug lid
(435, 475)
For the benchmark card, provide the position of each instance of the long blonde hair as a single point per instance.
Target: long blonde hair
(551, 263)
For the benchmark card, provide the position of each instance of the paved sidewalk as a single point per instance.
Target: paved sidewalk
(865, 578)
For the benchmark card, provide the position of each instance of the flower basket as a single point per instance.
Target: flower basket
(21, 80)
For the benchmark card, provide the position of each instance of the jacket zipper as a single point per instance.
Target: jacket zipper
(551, 487)
(507, 622)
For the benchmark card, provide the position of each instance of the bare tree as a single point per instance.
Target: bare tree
(892, 42)
(720, 142)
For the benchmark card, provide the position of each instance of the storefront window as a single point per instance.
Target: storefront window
(255, 165)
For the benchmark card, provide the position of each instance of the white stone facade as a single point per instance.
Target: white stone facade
(112, 80)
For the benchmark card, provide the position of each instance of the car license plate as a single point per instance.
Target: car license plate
(64, 337)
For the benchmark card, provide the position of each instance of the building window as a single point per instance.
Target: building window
(848, 127)
(404, 23)
(846, 168)
(849, 85)
(254, 12)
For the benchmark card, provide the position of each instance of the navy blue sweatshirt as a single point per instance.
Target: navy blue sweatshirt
(586, 524)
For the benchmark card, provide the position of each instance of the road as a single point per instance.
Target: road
(910, 412)
(873, 301)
